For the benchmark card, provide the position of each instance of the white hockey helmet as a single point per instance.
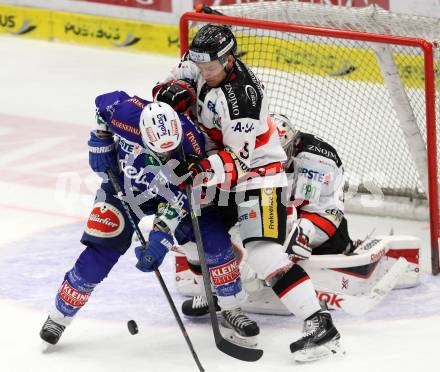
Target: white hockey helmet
(286, 132)
(285, 129)
(160, 127)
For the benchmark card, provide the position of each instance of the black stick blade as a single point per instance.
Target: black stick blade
(238, 352)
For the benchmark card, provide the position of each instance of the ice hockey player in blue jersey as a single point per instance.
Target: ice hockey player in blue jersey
(138, 140)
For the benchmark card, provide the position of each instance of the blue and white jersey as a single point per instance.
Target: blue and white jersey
(143, 171)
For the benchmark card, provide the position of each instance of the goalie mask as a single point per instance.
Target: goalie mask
(287, 134)
(160, 127)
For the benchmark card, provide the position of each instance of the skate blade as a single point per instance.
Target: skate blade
(332, 349)
(203, 316)
(237, 339)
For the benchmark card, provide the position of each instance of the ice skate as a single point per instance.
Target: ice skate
(320, 340)
(197, 306)
(239, 328)
(50, 333)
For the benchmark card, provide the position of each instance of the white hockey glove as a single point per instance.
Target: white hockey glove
(298, 241)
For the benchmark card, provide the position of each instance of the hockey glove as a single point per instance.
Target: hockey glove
(190, 168)
(102, 153)
(298, 245)
(179, 94)
(151, 257)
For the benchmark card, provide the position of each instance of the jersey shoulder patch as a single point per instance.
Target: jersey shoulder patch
(243, 92)
(125, 118)
(315, 145)
(106, 103)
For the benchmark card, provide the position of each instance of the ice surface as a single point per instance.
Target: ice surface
(47, 93)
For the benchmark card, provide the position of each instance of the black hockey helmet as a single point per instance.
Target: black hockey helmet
(212, 42)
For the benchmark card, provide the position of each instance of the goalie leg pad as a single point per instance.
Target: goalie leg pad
(190, 251)
(185, 281)
(193, 284)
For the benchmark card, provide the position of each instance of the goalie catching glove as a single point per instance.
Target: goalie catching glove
(179, 94)
(298, 241)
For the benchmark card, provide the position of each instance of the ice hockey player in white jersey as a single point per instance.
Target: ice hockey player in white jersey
(246, 159)
(315, 223)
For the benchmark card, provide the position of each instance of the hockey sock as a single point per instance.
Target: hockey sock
(91, 267)
(71, 297)
(295, 290)
(225, 277)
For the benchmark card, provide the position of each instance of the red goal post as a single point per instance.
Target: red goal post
(254, 30)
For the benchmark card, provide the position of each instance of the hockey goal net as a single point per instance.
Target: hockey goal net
(362, 79)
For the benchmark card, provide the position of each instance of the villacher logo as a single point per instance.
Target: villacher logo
(105, 221)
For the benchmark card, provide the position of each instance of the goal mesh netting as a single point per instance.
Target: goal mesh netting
(334, 87)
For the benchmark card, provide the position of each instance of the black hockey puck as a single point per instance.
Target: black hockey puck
(132, 327)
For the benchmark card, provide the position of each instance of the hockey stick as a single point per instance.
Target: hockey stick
(358, 305)
(140, 236)
(202, 8)
(224, 345)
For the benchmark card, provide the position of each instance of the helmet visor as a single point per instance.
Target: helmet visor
(210, 69)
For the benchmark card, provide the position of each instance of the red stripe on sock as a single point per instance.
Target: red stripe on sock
(293, 285)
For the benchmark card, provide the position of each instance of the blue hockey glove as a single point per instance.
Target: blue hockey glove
(159, 243)
(102, 153)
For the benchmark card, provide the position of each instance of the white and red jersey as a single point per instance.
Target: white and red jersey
(242, 140)
(317, 179)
